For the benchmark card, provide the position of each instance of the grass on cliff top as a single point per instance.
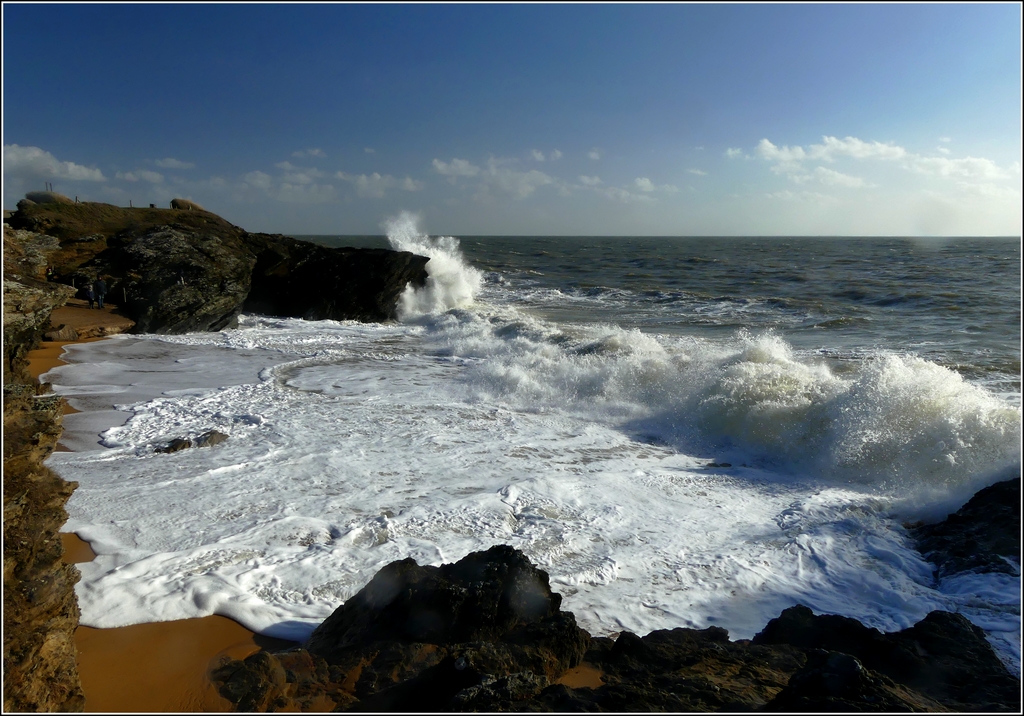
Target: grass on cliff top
(74, 221)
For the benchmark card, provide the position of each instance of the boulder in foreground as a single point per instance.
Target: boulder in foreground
(487, 634)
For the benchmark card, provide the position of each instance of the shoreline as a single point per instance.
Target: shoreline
(154, 667)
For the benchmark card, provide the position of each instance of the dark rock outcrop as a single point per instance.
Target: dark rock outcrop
(297, 278)
(180, 281)
(834, 682)
(943, 657)
(486, 634)
(179, 271)
(207, 439)
(416, 637)
(982, 536)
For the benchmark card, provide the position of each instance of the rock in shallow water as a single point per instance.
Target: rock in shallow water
(982, 536)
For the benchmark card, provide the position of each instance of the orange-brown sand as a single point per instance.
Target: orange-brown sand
(161, 667)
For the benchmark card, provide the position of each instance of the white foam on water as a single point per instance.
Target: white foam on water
(586, 446)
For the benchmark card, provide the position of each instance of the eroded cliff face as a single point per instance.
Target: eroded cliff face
(40, 608)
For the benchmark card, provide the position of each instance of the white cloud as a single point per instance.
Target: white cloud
(376, 185)
(767, 150)
(537, 155)
(32, 163)
(789, 161)
(646, 185)
(516, 183)
(945, 140)
(803, 196)
(555, 155)
(856, 148)
(140, 174)
(152, 177)
(969, 167)
(172, 163)
(303, 176)
(287, 166)
(309, 153)
(373, 186)
(830, 148)
(698, 172)
(617, 194)
(733, 153)
(590, 181)
(455, 168)
(369, 150)
(834, 178)
(258, 180)
(306, 193)
(989, 190)
(594, 153)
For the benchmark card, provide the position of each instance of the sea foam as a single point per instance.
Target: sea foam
(596, 449)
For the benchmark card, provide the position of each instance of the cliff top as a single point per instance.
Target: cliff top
(73, 221)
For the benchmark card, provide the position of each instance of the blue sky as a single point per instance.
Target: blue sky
(526, 119)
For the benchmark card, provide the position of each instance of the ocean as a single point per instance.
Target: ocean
(683, 432)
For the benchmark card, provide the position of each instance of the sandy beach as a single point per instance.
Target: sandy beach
(145, 667)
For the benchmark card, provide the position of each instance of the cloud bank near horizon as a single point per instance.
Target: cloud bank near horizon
(893, 190)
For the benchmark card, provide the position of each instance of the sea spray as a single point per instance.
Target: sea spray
(451, 282)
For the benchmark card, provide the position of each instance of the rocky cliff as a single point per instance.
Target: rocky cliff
(181, 270)
(40, 609)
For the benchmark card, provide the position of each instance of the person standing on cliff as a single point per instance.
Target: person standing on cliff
(100, 287)
(87, 290)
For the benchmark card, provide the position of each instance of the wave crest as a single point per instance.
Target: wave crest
(451, 282)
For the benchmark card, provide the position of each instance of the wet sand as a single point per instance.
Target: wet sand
(160, 667)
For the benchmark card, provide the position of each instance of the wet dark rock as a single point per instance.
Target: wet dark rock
(305, 280)
(416, 638)
(486, 634)
(943, 657)
(207, 439)
(982, 536)
(210, 438)
(835, 682)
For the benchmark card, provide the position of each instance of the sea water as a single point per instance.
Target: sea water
(682, 432)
